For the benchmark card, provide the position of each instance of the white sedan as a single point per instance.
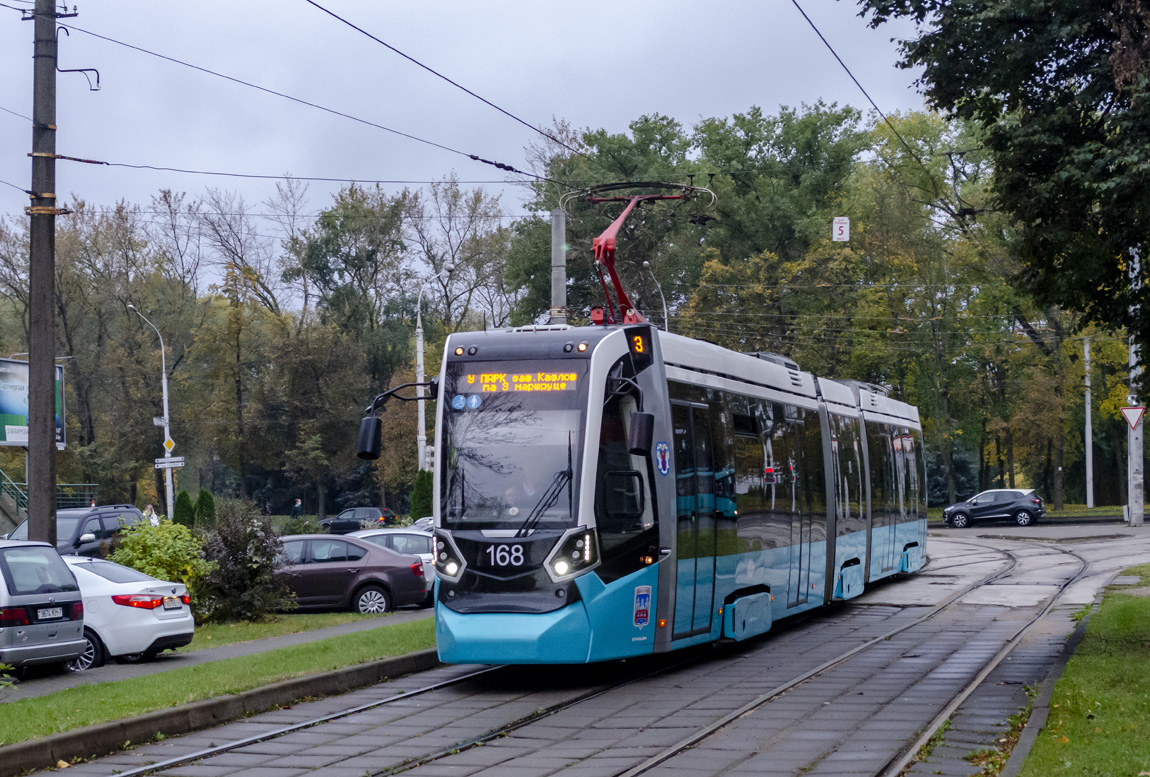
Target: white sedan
(127, 614)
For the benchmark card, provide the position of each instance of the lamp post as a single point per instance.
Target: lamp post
(422, 437)
(659, 286)
(164, 385)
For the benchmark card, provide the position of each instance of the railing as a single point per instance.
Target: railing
(67, 494)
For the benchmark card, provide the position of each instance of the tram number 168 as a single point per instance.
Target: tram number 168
(505, 555)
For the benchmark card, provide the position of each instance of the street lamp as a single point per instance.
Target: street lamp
(422, 437)
(164, 385)
(666, 319)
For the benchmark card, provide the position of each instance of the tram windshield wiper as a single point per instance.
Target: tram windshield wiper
(561, 479)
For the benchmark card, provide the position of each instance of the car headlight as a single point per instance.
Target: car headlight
(577, 552)
(449, 563)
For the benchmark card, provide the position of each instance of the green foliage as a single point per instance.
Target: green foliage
(421, 494)
(304, 524)
(168, 551)
(245, 549)
(5, 678)
(183, 512)
(205, 510)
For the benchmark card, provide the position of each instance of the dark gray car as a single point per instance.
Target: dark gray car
(347, 573)
(1022, 506)
(87, 531)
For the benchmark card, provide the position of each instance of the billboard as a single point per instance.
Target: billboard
(14, 403)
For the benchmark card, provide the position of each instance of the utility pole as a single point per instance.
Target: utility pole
(1135, 490)
(1089, 431)
(558, 266)
(42, 277)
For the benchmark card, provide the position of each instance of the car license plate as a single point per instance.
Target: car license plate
(48, 613)
(172, 603)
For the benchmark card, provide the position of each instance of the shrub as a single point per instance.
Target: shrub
(205, 510)
(421, 495)
(183, 512)
(304, 524)
(168, 551)
(245, 550)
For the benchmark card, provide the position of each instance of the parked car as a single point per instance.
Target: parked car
(351, 573)
(129, 615)
(41, 612)
(426, 523)
(1023, 506)
(410, 541)
(87, 531)
(356, 518)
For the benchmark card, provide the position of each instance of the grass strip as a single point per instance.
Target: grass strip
(88, 705)
(1099, 721)
(216, 634)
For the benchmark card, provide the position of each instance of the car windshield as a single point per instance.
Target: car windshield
(65, 528)
(511, 444)
(35, 570)
(116, 573)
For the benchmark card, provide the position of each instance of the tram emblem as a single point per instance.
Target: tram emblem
(663, 457)
(642, 606)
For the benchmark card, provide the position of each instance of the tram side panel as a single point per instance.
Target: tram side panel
(897, 515)
(848, 471)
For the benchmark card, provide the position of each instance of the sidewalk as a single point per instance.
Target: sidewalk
(110, 672)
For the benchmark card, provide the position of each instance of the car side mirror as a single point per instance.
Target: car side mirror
(370, 435)
(86, 537)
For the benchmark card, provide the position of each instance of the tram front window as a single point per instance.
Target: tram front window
(511, 445)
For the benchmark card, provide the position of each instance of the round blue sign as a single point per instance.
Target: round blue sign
(458, 401)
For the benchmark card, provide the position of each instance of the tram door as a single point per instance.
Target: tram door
(803, 513)
(695, 519)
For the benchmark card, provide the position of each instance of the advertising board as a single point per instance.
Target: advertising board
(14, 403)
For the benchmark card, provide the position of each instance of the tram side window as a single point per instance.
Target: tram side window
(813, 484)
(779, 437)
(847, 449)
(879, 455)
(910, 453)
(723, 455)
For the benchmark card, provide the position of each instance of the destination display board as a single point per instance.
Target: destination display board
(502, 382)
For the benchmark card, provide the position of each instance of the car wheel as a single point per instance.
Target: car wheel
(371, 599)
(93, 656)
(959, 520)
(129, 658)
(1023, 518)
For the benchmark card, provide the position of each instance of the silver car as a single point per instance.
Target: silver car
(411, 541)
(41, 612)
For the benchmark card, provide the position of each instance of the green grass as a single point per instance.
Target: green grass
(216, 634)
(88, 705)
(1099, 720)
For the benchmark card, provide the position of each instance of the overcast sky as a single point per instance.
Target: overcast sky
(594, 63)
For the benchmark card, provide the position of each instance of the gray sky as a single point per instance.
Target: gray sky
(595, 64)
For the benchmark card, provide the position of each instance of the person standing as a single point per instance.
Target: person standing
(150, 516)
(297, 509)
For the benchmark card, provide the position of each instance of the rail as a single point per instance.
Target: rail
(67, 494)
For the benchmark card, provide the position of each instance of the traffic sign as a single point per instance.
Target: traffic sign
(168, 444)
(170, 463)
(1133, 415)
(841, 229)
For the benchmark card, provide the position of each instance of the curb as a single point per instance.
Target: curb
(110, 737)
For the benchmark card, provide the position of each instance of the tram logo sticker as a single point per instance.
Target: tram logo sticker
(663, 457)
(642, 614)
(458, 401)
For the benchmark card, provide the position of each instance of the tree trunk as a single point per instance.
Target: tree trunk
(1059, 450)
(321, 500)
(1010, 455)
(998, 458)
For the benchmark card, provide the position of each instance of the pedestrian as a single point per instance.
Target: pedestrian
(150, 516)
(297, 509)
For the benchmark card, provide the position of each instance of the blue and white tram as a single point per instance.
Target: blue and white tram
(614, 491)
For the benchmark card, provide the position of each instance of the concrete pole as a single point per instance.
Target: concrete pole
(421, 436)
(1135, 485)
(558, 267)
(42, 280)
(1089, 431)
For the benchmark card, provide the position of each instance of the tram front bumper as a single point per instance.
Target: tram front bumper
(559, 637)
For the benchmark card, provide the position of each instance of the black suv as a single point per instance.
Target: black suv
(87, 531)
(1023, 506)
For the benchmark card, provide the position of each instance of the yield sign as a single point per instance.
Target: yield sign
(1133, 415)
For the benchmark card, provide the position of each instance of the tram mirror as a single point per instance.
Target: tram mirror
(623, 494)
(642, 431)
(370, 435)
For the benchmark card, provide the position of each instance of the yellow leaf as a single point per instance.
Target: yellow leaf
(1063, 739)
(62, 764)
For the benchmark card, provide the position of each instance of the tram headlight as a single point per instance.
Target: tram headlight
(449, 563)
(576, 552)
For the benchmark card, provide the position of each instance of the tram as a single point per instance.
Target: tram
(613, 490)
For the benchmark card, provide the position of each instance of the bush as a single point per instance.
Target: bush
(303, 524)
(205, 510)
(168, 551)
(245, 550)
(421, 495)
(183, 511)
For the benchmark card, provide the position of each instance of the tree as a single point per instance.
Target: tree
(422, 495)
(184, 513)
(1061, 88)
